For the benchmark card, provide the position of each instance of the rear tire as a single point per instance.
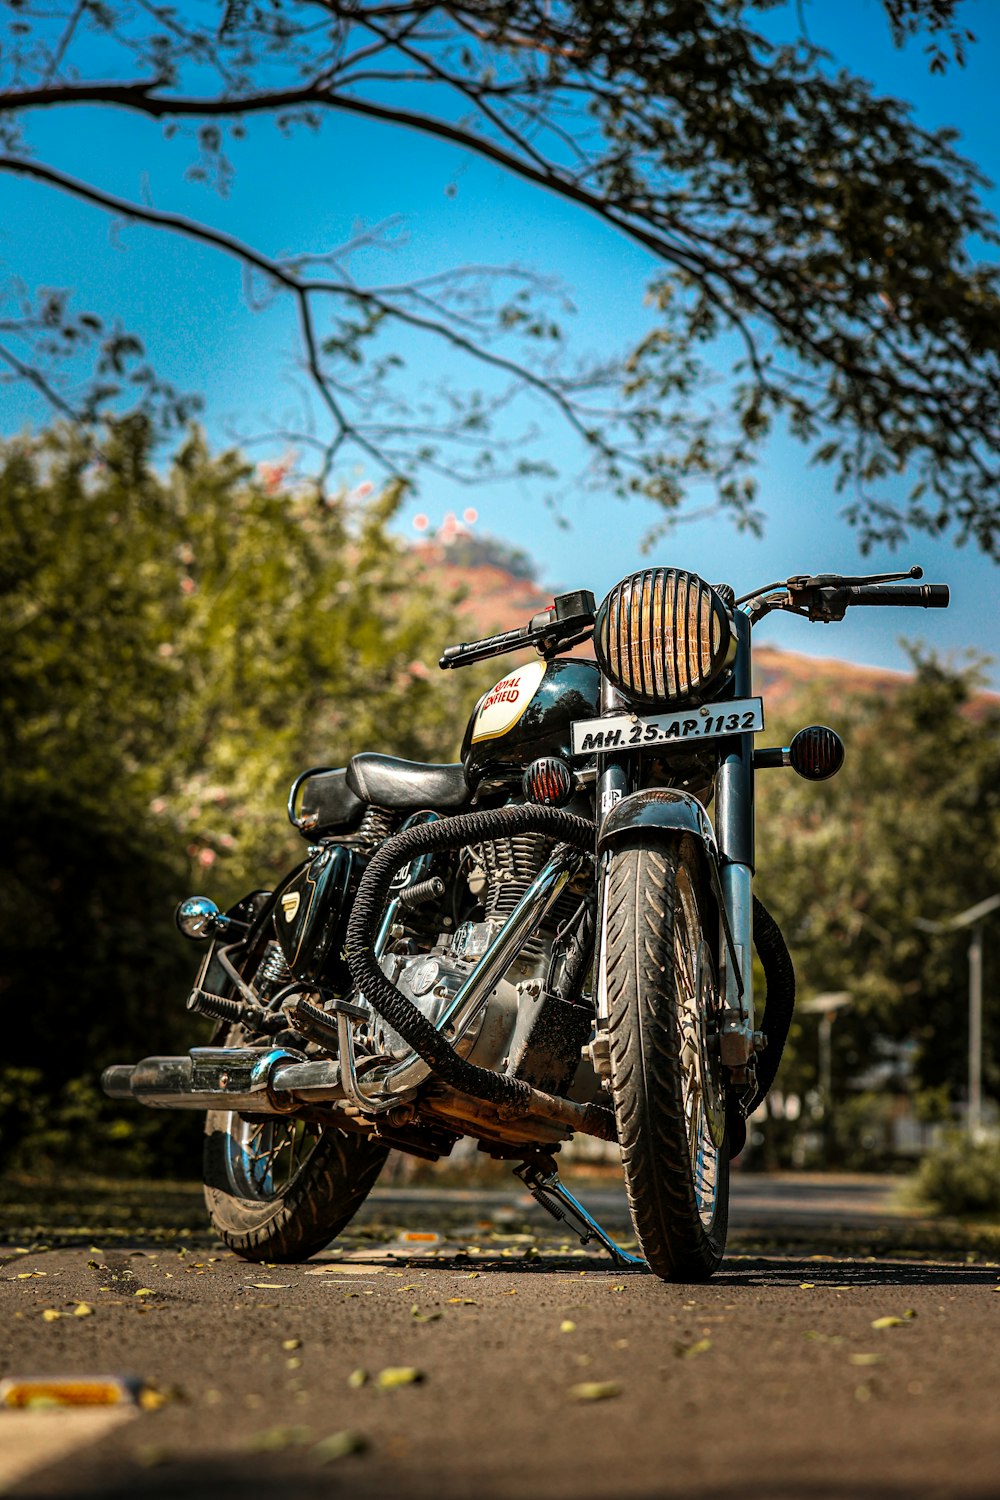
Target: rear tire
(282, 1189)
(666, 1071)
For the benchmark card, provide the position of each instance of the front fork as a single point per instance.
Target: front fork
(734, 829)
(732, 880)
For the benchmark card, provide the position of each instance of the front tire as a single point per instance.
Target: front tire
(666, 1072)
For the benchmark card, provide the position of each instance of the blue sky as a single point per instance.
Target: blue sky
(311, 191)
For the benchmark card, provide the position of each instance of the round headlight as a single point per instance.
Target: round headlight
(663, 635)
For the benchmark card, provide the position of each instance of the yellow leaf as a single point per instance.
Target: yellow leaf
(291, 1343)
(340, 1445)
(266, 1286)
(49, 1315)
(865, 1359)
(396, 1375)
(887, 1322)
(274, 1439)
(357, 1379)
(687, 1351)
(83, 1310)
(567, 1326)
(807, 1286)
(144, 1291)
(595, 1390)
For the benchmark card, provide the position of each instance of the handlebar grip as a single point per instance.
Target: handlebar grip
(921, 595)
(491, 645)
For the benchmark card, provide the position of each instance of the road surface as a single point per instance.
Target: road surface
(781, 1378)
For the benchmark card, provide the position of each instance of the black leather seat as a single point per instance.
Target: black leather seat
(328, 802)
(406, 785)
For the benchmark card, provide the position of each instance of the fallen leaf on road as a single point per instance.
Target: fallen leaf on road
(396, 1375)
(263, 1286)
(340, 1445)
(357, 1379)
(144, 1291)
(291, 1343)
(49, 1315)
(464, 1301)
(419, 1317)
(887, 1322)
(343, 1269)
(807, 1286)
(909, 1312)
(274, 1439)
(567, 1326)
(865, 1359)
(151, 1396)
(595, 1390)
(83, 1310)
(151, 1455)
(686, 1351)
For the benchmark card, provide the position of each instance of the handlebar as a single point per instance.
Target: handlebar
(569, 619)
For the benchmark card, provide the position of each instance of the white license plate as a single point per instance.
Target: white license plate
(635, 732)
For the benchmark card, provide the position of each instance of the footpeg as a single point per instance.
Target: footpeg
(540, 1176)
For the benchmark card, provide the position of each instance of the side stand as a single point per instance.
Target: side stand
(540, 1176)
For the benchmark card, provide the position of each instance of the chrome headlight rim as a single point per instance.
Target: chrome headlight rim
(663, 635)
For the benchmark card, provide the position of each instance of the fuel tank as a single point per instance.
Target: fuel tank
(526, 714)
(310, 916)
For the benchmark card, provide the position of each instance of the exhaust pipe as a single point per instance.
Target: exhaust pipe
(278, 1082)
(240, 1078)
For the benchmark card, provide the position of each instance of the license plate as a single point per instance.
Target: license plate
(635, 732)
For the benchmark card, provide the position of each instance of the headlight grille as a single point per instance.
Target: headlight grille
(662, 635)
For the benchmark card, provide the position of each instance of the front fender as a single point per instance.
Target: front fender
(662, 813)
(659, 811)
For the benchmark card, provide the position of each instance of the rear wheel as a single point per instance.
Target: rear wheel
(280, 1189)
(666, 1070)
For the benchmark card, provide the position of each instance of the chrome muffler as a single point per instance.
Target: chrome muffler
(248, 1079)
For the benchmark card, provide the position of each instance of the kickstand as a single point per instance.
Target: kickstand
(540, 1176)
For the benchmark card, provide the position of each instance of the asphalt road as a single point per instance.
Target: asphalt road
(773, 1380)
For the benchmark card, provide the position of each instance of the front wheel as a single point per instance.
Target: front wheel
(666, 1071)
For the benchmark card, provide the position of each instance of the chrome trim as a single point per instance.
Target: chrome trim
(227, 1078)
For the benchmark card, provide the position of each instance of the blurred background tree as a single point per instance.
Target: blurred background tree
(908, 830)
(177, 645)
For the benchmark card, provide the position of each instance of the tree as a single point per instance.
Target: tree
(908, 830)
(176, 648)
(786, 210)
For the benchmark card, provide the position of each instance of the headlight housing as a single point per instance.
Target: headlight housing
(663, 636)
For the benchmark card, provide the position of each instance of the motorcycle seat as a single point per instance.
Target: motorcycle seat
(406, 785)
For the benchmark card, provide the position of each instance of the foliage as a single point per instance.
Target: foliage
(960, 1177)
(909, 830)
(789, 213)
(177, 647)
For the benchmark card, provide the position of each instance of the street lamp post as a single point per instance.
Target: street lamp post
(826, 1007)
(973, 917)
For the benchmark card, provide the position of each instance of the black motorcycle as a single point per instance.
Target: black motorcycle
(550, 937)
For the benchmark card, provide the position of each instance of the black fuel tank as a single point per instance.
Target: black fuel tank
(310, 916)
(526, 714)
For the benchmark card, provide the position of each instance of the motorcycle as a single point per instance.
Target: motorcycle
(550, 937)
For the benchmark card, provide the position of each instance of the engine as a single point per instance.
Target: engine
(522, 1029)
